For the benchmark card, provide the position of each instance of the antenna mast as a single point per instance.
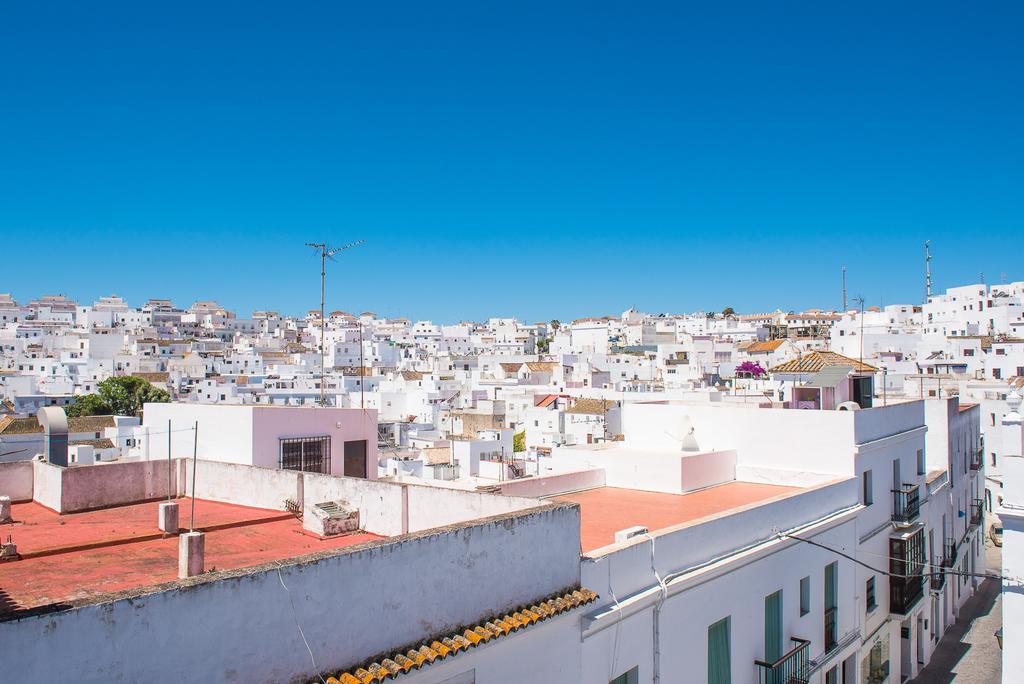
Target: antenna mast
(844, 289)
(927, 272)
(325, 253)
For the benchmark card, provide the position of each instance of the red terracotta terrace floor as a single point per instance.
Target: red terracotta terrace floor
(606, 510)
(76, 556)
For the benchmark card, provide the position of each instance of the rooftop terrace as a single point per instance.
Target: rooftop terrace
(606, 510)
(76, 556)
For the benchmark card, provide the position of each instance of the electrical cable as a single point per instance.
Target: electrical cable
(291, 602)
(896, 574)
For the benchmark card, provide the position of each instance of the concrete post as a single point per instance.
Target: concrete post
(169, 517)
(191, 552)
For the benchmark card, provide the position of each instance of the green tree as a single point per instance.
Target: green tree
(728, 311)
(555, 324)
(543, 344)
(88, 405)
(519, 441)
(120, 396)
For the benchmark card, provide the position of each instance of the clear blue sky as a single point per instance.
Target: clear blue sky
(543, 160)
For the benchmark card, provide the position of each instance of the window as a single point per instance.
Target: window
(831, 623)
(773, 627)
(632, 677)
(870, 595)
(309, 454)
(832, 676)
(920, 462)
(868, 489)
(805, 596)
(719, 660)
(993, 458)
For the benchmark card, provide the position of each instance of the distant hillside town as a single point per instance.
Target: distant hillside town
(725, 497)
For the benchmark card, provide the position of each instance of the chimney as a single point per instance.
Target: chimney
(55, 430)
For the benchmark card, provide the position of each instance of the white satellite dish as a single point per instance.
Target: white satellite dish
(686, 438)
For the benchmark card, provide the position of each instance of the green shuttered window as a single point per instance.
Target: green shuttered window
(719, 668)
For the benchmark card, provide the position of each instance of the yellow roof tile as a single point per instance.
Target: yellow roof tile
(451, 645)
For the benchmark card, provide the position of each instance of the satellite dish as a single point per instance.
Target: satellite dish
(686, 438)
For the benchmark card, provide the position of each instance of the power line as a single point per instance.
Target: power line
(896, 574)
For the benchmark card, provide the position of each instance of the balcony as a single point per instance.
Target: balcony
(906, 568)
(904, 593)
(977, 512)
(976, 460)
(792, 668)
(949, 552)
(831, 629)
(906, 504)
(938, 575)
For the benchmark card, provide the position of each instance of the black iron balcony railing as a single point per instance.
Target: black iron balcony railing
(831, 629)
(976, 459)
(906, 503)
(794, 667)
(977, 511)
(938, 575)
(904, 593)
(949, 552)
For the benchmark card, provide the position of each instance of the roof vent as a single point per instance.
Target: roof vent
(331, 518)
(630, 532)
(848, 406)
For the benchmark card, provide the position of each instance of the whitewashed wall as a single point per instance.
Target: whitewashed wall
(353, 604)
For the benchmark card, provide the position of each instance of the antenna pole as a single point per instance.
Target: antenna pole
(195, 450)
(844, 289)
(323, 323)
(927, 272)
(168, 460)
(362, 375)
(325, 252)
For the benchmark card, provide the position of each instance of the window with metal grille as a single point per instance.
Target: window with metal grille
(308, 454)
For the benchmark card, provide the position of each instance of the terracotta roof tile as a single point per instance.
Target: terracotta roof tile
(814, 361)
(764, 347)
(597, 407)
(450, 646)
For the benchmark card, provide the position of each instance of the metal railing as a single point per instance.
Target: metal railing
(938, 575)
(976, 460)
(794, 667)
(904, 593)
(977, 511)
(831, 629)
(906, 503)
(949, 552)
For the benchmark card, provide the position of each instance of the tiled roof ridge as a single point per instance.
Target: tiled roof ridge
(418, 655)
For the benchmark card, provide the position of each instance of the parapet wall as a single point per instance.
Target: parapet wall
(351, 605)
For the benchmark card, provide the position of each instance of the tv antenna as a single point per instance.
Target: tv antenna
(326, 252)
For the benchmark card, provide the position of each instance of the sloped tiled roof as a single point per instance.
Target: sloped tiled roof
(764, 347)
(152, 377)
(411, 375)
(814, 361)
(541, 366)
(591, 406)
(26, 426)
(511, 367)
(101, 443)
(449, 646)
